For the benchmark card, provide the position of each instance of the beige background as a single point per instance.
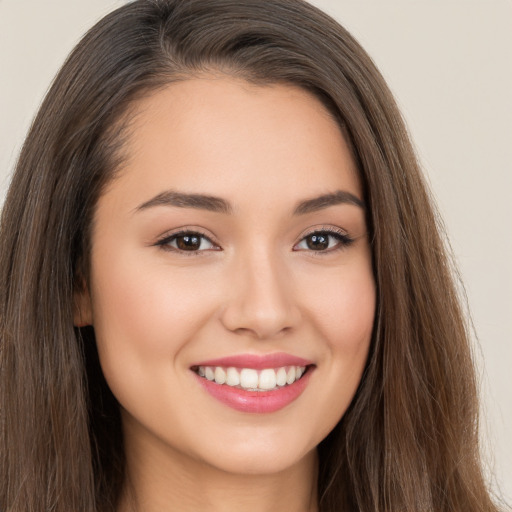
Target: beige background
(449, 64)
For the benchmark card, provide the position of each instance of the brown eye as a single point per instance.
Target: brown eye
(187, 242)
(324, 241)
(318, 242)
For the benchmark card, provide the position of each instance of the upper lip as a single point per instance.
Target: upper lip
(257, 361)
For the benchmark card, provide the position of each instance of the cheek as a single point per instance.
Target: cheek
(349, 326)
(342, 306)
(144, 314)
(343, 309)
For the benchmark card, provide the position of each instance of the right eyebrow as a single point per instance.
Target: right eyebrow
(183, 200)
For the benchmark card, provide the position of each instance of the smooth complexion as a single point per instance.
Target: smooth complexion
(251, 281)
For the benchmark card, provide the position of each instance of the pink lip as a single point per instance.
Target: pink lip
(258, 362)
(257, 401)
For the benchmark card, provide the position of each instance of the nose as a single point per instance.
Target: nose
(260, 301)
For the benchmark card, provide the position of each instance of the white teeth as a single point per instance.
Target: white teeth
(290, 376)
(251, 379)
(220, 375)
(281, 377)
(233, 377)
(267, 379)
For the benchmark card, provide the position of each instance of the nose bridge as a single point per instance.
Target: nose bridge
(261, 300)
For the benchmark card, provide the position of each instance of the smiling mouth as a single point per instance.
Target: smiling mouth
(250, 379)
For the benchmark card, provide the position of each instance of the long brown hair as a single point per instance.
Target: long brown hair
(409, 440)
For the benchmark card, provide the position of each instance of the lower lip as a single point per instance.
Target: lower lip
(256, 401)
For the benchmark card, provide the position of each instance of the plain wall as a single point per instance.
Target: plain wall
(449, 64)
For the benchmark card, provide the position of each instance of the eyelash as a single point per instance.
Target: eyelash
(166, 240)
(343, 241)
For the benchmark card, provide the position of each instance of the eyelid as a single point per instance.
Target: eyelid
(164, 239)
(344, 238)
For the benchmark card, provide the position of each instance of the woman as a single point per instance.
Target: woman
(223, 285)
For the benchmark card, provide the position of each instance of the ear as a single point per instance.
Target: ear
(82, 307)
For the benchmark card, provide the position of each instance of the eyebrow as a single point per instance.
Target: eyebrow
(219, 205)
(182, 200)
(326, 200)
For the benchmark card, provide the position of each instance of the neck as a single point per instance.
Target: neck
(162, 481)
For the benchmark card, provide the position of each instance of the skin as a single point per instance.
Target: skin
(256, 288)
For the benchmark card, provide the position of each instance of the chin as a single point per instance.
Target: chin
(252, 464)
(258, 452)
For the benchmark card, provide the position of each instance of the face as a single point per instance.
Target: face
(231, 287)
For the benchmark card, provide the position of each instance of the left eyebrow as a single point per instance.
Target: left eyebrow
(327, 200)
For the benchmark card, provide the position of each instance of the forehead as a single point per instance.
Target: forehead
(223, 136)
